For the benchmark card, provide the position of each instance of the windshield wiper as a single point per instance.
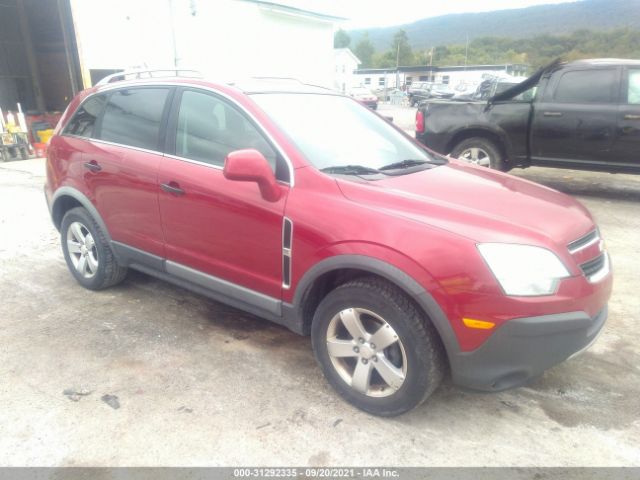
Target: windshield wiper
(351, 170)
(403, 164)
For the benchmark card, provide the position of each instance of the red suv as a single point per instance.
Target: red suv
(306, 208)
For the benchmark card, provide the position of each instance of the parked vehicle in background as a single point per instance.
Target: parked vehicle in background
(441, 90)
(418, 91)
(490, 87)
(364, 96)
(429, 90)
(583, 114)
(301, 206)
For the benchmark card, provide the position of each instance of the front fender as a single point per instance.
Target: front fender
(412, 286)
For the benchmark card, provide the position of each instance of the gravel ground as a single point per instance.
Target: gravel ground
(148, 374)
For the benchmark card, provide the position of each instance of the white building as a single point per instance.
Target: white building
(455, 76)
(225, 39)
(346, 64)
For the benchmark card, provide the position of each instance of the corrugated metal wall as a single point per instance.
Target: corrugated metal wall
(15, 76)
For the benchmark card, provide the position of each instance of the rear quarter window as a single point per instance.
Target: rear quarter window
(83, 122)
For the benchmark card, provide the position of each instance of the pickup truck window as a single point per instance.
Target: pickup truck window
(587, 86)
(633, 93)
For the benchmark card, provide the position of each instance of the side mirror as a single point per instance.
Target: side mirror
(249, 165)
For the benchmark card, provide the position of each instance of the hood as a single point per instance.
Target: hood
(475, 202)
(526, 84)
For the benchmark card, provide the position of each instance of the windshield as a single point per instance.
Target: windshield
(336, 131)
(441, 88)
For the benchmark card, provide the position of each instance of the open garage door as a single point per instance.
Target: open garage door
(40, 65)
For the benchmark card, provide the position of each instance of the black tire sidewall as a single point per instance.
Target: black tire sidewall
(81, 215)
(416, 382)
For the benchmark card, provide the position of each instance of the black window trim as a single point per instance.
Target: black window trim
(172, 127)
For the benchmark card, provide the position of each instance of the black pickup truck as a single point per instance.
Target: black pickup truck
(583, 115)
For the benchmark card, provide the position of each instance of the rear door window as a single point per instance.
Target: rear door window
(83, 122)
(132, 117)
(587, 86)
(633, 90)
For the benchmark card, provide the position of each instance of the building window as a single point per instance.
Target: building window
(344, 69)
(381, 82)
(367, 81)
(423, 78)
(408, 81)
(445, 79)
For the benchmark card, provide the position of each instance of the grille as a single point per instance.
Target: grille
(593, 266)
(583, 242)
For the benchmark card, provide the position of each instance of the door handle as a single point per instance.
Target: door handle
(552, 114)
(172, 187)
(93, 166)
(629, 116)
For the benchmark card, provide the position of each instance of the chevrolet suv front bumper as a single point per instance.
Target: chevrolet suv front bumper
(523, 348)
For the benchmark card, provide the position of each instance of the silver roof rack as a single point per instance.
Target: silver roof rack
(157, 73)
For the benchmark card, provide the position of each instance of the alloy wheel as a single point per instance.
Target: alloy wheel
(366, 352)
(82, 250)
(477, 156)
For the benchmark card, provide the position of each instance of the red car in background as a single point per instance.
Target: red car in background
(299, 205)
(364, 96)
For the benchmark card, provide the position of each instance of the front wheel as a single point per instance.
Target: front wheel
(480, 151)
(375, 348)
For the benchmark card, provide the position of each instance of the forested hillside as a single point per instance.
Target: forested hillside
(528, 22)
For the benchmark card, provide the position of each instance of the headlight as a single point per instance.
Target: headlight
(524, 270)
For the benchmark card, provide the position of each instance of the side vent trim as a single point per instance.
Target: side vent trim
(287, 242)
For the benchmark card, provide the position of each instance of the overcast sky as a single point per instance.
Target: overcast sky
(370, 13)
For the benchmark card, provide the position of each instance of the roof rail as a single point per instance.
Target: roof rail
(156, 73)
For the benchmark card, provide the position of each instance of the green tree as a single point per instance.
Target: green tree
(341, 39)
(401, 50)
(364, 51)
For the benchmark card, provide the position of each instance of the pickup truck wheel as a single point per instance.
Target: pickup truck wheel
(376, 348)
(479, 151)
(87, 251)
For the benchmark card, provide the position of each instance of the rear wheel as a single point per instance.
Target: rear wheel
(87, 251)
(480, 151)
(375, 348)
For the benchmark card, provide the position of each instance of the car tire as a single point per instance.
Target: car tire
(387, 379)
(480, 151)
(87, 251)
